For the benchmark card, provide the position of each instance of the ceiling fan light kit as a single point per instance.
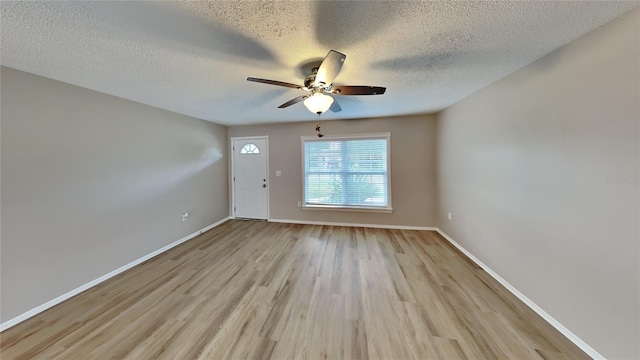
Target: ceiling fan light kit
(319, 84)
(318, 103)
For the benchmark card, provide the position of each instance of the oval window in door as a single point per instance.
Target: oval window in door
(248, 149)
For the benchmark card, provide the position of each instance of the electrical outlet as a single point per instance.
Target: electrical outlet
(299, 204)
(185, 216)
(449, 216)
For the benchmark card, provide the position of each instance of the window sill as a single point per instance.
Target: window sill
(348, 208)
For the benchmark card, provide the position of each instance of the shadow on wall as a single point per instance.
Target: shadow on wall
(150, 179)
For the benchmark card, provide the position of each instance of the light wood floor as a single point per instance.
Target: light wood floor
(250, 289)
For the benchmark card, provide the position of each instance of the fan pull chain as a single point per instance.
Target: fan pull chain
(318, 127)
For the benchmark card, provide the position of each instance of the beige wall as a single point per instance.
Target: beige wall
(91, 182)
(413, 146)
(540, 172)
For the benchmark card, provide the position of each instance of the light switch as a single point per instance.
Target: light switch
(278, 173)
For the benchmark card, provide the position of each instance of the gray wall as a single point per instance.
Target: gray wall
(91, 182)
(413, 154)
(540, 172)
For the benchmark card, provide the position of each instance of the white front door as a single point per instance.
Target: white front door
(250, 183)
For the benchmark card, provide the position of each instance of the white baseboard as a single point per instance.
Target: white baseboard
(377, 226)
(555, 323)
(20, 318)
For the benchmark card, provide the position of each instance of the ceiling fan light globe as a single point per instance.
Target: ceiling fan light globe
(318, 103)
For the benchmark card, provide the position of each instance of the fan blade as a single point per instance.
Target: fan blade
(273, 82)
(335, 106)
(329, 69)
(293, 101)
(358, 90)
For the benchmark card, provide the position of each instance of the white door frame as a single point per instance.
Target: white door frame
(233, 170)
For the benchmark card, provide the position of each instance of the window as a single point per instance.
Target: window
(249, 149)
(347, 172)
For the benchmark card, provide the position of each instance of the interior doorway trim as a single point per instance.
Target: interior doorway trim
(232, 176)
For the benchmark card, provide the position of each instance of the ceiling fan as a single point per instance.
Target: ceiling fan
(320, 86)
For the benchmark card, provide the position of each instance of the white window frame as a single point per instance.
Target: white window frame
(386, 209)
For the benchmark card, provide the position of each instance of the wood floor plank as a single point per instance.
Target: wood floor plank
(254, 289)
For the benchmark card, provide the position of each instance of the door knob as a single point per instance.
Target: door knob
(264, 185)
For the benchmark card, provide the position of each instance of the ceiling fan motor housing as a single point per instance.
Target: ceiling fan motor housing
(311, 78)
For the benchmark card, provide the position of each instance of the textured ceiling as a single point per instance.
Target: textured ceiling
(194, 57)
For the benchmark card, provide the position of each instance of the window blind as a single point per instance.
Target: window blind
(348, 172)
